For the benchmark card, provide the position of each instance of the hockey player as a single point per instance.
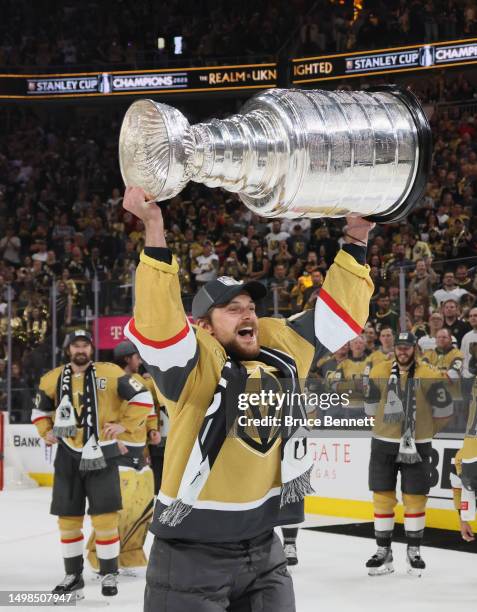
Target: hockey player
(78, 406)
(464, 483)
(411, 402)
(465, 507)
(222, 495)
(136, 477)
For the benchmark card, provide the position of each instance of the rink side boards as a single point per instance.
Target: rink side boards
(340, 480)
(339, 476)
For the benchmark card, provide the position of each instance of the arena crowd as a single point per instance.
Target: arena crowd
(55, 34)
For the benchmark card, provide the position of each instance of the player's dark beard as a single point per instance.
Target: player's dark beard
(80, 359)
(404, 360)
(237, 353)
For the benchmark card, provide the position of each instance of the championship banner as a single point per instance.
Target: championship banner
(129, 82)
(384, 61)
(110, 331)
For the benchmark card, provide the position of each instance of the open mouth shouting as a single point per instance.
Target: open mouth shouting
(248, 333)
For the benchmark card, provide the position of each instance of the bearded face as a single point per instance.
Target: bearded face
(235, 326)
(80, 352)
(404, 354)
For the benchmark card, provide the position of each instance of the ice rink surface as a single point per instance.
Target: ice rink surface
(330, 574)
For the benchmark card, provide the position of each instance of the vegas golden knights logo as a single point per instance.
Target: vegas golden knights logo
(261, 438)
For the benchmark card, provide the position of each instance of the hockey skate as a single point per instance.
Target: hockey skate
(381, 562)
(71, 583)
(290, 554)
(415, 563)
(109, 585)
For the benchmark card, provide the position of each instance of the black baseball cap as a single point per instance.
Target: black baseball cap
(124, 349)
(406, 338)
(78, 334)
(222, 291)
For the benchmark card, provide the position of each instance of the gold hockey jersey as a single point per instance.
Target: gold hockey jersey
(450, 361)
(349, 378)
(241, 497)
(114, 388)
(139, 435)
(434, 404)
(468, 452)
(378, 356)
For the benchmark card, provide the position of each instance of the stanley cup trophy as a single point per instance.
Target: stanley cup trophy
(289, 153)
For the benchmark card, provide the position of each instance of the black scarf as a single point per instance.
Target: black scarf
(67, 419)
(400, 407)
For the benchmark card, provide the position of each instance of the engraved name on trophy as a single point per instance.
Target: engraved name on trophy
(289, 153)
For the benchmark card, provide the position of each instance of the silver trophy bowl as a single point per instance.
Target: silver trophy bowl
(289, 153)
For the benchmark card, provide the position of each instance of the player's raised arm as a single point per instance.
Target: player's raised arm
(159, 329)
(342, 306)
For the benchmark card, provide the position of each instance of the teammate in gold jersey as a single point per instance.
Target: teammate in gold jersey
(83, 407)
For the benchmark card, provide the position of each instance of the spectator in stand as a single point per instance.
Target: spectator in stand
(371, 338)
(37, 326)
(385, 316)
(10, 247)
(399, 260)
(463, 278)
(283, 256)
(417, 249)
(469, 342)
(321, 242)
(64, 307)
(232, 266)
(445, 357)
(297, 243)
(311, 293)
(274, 238)
(450, 290)
(456, 326)
(40, 251)
(258, 265)
(62, 230)
(385, 351)
(281, 287)
(207, 266)
(420, 326)
(421, 283)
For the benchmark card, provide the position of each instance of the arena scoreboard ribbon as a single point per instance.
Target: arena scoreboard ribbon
(383, 61)
(241, 77)
(130, 82)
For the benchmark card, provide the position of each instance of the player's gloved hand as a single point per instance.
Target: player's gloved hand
(111, 430)
(154, 436)
(466, 531)
(50, 438)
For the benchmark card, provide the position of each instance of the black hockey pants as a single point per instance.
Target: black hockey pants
(246, 576)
